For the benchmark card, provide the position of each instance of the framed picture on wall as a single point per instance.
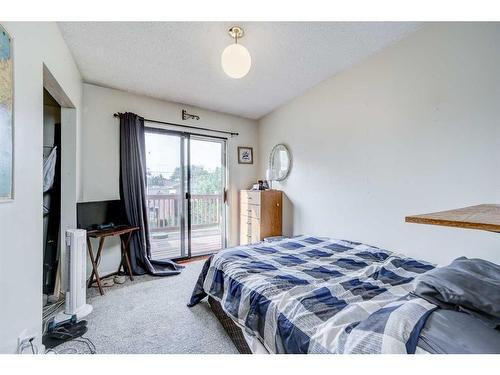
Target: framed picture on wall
(245, 155)
(6, 117)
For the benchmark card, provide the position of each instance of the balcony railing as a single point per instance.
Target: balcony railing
(165, 211)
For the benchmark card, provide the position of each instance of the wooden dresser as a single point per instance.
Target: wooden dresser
(260, 215)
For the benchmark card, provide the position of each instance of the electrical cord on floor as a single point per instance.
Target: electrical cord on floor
(72, 350)
(32, 347)
(87, 342)
(64, 332)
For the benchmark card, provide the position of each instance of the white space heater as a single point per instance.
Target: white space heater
(75, 259)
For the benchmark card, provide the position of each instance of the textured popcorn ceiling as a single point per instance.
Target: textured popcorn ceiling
(180, 61)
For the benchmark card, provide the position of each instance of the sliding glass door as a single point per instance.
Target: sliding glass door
(207, 183)
(185, 194)
(165, 179)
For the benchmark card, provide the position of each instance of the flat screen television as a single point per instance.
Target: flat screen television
(91, 214)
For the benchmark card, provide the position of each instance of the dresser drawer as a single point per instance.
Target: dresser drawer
(251, 210)
(249, 230)
(260, 215)
(250, 197)
(255, 237)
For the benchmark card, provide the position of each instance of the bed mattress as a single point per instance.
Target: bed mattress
(318, 295)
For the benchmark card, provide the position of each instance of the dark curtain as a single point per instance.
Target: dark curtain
(133, 195)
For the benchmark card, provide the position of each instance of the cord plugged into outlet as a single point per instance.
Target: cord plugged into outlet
(25, 341)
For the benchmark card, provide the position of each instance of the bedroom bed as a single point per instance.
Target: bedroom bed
(317, 295)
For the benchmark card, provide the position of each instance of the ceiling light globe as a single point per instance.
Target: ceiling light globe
(236, 61)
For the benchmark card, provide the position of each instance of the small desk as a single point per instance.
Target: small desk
(125, 233)
(482, 217)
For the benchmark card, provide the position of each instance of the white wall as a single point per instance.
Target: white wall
(101, 159)
(35, 44)
(413, 129)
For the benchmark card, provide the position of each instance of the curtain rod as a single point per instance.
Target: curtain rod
(185, 126)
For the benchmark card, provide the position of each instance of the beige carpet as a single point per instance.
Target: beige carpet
(150, 315)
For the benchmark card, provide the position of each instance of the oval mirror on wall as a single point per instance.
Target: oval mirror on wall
(280, 162)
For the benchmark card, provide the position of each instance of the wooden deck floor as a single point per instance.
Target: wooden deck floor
(203, 241)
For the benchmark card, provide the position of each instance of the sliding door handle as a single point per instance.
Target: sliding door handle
(188, 196)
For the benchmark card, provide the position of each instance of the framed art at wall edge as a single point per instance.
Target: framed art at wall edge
(6, 117)
(245, 155)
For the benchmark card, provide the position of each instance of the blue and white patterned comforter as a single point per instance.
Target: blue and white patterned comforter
(317, 295)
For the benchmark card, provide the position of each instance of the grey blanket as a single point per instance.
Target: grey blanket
(467, 285)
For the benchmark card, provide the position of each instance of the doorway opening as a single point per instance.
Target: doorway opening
(51, 196)
(186, 185)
